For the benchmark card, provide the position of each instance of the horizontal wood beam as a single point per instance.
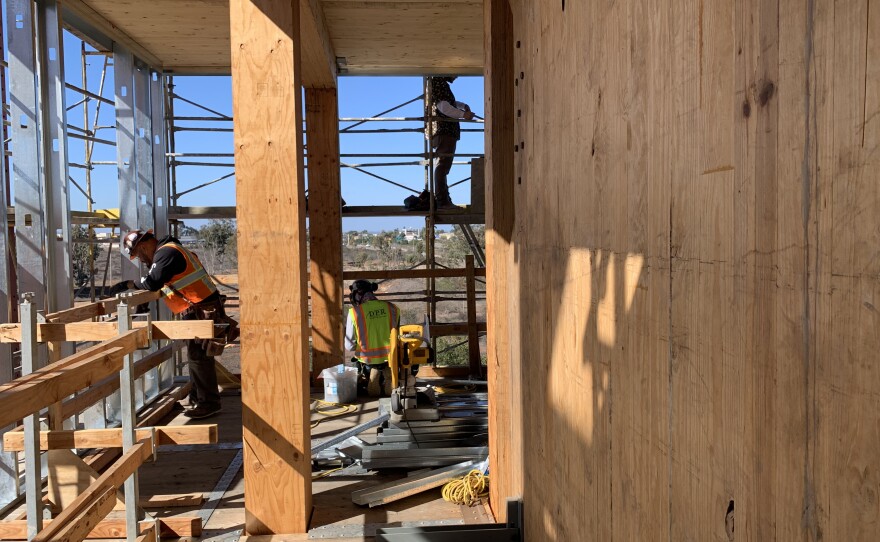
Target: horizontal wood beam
(51, 384)
(105, 387)
(178, 435)
(88, 21)
(111, 479)
(149, 417)
(460, 215)
(104, 331)
(385, 274)
(99, 308)
(172, 527)
(446, 330)
(173, 501)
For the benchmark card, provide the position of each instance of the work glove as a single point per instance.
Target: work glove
(120, 287)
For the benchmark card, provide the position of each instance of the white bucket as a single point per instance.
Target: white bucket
(340, 387)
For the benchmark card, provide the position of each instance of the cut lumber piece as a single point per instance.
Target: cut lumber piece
(412, 485)
(172, 527)
(78, 528)
(148, 534)
(410, 273)
(105, 331)
(108, 385)
(99, 308)
(112, 438)
(68, 476)
(112, 478)
(149, 417)
(172, 501)
(51, 384)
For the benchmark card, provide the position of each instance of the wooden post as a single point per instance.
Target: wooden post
(473, 336)
(505, 412)
(325, 227)
(267, 106)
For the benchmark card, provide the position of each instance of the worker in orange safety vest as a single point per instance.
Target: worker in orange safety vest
(188, 290)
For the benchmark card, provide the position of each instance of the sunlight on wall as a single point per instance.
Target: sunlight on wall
(586, 331)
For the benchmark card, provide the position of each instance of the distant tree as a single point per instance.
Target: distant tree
(80, 255)
(218, 240)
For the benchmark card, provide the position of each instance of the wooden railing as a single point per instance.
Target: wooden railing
(96, 372)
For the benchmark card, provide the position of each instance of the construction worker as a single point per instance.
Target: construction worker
(368, 334)
(444, 134)
(188, 291)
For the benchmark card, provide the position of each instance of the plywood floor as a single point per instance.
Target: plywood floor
(199, 470)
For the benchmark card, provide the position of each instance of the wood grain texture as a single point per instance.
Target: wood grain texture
(696, 209)
(171, 527)
(325, 227)
(104, 331)
(192, 36)
(505, 415)
(267, 106)
(112, 438)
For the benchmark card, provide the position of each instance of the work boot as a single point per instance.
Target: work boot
(204, 410)
(374, 387)
(386, 375)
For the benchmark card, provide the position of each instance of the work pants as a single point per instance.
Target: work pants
(443, 144)
(202, 371)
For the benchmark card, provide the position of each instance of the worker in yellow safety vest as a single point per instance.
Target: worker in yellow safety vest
(188, 290)
(368, 334)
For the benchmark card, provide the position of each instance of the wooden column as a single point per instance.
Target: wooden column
(325, 227)
(267, 105)
(505, 413)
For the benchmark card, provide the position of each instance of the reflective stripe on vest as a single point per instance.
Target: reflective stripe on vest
(373, 334)
(189, 287)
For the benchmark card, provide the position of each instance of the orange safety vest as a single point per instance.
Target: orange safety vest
(189, 287)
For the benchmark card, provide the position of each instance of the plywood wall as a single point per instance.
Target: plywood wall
(697, 241)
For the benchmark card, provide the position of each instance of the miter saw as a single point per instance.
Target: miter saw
(410, 347)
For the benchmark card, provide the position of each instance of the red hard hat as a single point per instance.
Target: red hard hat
(131, 240)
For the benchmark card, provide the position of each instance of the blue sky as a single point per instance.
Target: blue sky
(358, 97)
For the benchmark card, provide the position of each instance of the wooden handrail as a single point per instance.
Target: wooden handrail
(112, 438)
(33, 392)
(99, 308)
(104, 331)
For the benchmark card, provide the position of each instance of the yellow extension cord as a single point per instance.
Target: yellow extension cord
(467, 490)
(331, 410)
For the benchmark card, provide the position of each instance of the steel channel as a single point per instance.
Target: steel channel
(129, 420)
(30, 362)
(8, 479)
(160, 173)
(55, 193)
(125, 150)
(438, 452)
(384, 491)
(382, 418)
(29, 220)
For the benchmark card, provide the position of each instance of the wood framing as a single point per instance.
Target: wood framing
(110, 481)
(112, 438)
(505, 423)
(325, 227)
(267, 107)
(385, 274)
(171, 527)
(473, 339)
(51, 384)
(99, 308)
(317, 55)
(104, 331)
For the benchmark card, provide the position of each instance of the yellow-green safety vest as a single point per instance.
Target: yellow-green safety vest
(373, 322)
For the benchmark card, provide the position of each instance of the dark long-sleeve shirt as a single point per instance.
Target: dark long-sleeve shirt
(167, 262)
